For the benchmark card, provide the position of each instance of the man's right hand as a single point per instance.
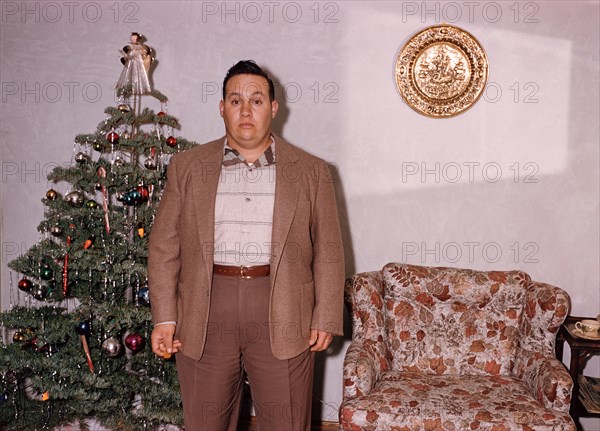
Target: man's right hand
(163, 344)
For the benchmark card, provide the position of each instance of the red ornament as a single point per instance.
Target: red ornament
(134, 342)
(113, 138)
(30, 344)
(144, 193)
(161, 114)
(171, 141)
(25, 285)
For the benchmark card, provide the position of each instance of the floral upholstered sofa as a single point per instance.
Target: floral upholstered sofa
(446, 349)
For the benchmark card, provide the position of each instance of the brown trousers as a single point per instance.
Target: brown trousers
(237, 342)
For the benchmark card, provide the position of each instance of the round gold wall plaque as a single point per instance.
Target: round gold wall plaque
(441, 71)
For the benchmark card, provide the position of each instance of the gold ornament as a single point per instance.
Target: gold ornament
(140, 229)
(51, 194)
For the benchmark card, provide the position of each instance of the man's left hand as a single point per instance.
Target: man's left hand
(319, 340)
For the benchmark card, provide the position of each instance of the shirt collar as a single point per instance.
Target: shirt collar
(232, 157)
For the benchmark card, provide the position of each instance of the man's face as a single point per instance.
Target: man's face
(247, 111)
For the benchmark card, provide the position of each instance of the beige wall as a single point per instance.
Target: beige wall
(526, 153)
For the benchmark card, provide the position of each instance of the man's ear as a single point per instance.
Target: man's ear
(221, 107)
(274, 108)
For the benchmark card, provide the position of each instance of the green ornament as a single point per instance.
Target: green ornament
(46, 273)
(51, 287)
(97, 146)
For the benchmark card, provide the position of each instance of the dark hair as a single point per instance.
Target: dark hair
(248, 67)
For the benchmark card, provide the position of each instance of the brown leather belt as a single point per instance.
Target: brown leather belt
(242, 271)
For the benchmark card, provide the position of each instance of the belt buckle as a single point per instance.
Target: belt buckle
(242, 268)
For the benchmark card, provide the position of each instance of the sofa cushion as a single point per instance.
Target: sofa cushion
(414, 401)
(452, 321)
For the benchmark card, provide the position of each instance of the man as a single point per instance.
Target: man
(246, 266)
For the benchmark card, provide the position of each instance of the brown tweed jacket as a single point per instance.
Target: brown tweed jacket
(307, 267)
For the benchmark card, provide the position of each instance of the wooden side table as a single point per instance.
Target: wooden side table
(581, 350)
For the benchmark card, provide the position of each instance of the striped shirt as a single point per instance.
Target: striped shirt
(244, 208)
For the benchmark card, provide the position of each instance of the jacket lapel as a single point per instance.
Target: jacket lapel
(205, 180)
(287, 187)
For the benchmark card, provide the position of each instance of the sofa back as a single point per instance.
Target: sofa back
(452, 321)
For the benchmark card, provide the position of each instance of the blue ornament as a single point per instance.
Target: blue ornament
(144, 296)
(3, 398)
(83, 328)
(136, 196)
(128, 199)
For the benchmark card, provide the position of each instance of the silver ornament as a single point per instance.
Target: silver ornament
(123, 107)
(39, 292)
(56, 230)
(112, 347)
(119, 161)
(82, 158)
(125, 135)
(75, 198)
(150, 163)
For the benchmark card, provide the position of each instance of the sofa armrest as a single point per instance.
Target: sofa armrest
(364, 363)
(546, 377)
(546, 308)
(363, 294)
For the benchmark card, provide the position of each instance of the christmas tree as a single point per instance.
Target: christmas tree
(75, 343)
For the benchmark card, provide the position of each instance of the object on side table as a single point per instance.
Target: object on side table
(581, 350)
(587, 328)
(589, 393)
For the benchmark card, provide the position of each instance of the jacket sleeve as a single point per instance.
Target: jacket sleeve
(328, 257)
(164, 250)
